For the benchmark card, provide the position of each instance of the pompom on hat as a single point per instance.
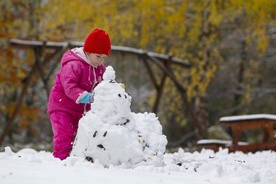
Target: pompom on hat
(98, 42)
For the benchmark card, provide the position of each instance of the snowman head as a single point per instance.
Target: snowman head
(109, 74)
(111, 101)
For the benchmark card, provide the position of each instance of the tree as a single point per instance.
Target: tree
(222, 40)
(20, 21)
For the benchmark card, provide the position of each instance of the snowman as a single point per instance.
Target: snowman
(113, 135)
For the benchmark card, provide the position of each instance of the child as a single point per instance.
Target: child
(82, 69)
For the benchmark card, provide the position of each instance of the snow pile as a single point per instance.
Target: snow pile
(113, 135)
(205, 167)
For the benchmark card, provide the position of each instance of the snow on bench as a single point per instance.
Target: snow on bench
(215, 144)
(218, 142)
(248, 117)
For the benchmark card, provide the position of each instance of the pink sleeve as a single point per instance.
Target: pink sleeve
(70, 78)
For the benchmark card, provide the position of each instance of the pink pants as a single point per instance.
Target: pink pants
(64, 128)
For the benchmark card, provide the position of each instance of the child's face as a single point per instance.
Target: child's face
(96, 59)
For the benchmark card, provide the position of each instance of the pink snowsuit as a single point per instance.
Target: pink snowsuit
(74, 78)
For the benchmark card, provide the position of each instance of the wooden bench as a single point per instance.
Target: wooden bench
(215, 144)
(263, 122)
(238, 124)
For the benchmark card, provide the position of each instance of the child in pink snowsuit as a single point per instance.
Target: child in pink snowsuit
(81, 70)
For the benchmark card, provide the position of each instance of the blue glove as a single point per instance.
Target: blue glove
(88, 98)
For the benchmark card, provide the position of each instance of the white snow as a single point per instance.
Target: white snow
(109, 74)
(205, 167)
(248, 117)
(114, 145)
(217, 141)
(113, 135)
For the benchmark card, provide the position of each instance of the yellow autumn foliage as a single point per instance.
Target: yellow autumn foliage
(188, 29)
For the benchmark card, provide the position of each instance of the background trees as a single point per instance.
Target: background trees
(230, 44)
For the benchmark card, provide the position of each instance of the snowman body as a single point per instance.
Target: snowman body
(113, 135)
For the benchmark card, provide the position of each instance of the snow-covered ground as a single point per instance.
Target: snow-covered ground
(32, 167)
(114, 145)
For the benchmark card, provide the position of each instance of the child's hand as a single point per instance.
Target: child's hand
(87, 98)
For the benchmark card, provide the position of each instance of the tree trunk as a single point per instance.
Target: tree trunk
(240, 80)
(201, 102)
(201, 112)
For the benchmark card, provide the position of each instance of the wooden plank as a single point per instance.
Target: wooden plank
(245, 147)
(54, 45)
(252, 147)
(215, 144)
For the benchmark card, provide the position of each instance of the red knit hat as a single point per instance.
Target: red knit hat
(98, 42)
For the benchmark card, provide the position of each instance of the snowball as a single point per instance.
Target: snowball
(109, 73)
